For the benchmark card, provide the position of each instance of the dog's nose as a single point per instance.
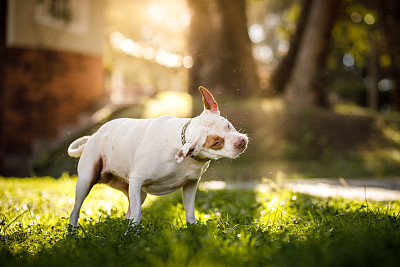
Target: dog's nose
(240, 143)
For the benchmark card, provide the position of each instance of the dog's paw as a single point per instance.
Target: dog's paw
(133, 229)
(72, 230)
(191, 224)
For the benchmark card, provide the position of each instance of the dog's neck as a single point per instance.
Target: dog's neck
(183, 139)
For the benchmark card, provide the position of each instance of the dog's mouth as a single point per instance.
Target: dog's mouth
(236, 154)
(238, 151)
(190, 152)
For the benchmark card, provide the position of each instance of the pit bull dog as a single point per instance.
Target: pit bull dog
(154, 156)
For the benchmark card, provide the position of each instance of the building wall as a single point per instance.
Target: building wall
(49, 74)
(29, 25)
(45, 90)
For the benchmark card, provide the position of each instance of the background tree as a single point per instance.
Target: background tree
(279, 77)
(306, 86)
(389, 21)
(220, 47)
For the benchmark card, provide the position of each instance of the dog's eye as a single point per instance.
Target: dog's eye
(229, 127)
(216, 143)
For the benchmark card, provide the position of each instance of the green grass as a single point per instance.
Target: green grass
(236, 228)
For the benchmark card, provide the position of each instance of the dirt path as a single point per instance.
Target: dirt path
(370, 189)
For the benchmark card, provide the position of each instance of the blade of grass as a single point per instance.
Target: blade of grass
(16, 218)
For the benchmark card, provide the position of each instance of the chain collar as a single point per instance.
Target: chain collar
(183, 139)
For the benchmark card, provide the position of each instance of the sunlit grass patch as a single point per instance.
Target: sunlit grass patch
(382, 162)
(236, 227)
(392, 134)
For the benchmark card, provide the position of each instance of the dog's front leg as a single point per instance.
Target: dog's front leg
(143, 196)
(189, 194)
(135, 188)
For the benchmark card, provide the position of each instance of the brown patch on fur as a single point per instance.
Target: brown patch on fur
(106, 177)
(97, 169)
(100, 176)
(214, 142)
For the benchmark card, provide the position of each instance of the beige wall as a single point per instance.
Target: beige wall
(29, 26)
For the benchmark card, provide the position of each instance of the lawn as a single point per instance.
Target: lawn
(238, 227)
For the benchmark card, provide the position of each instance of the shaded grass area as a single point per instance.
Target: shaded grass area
(236, 228)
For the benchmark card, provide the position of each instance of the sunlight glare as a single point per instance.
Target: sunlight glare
(348, 60)
(386, 85)
(272, 104)
(132, 48)
(155, 12)
(272, 20)
(187, 62)
(161, 14)
(356, 17)
(256, 33)
(116, 38)
(369, 19)
(149, 53)
(165, 58)
(263, 53)
(184, 19)
(283, 48)
(161, 56)
(213, 185)
(173, 103)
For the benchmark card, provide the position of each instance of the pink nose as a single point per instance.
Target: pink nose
(240, 143)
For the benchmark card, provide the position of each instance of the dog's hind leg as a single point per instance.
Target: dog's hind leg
(87, 177)
(124, 188)
(83, 187)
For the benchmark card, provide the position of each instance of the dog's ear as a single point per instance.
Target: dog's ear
(186, 151)
(208, 100)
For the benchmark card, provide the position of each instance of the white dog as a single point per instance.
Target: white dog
(154, 156)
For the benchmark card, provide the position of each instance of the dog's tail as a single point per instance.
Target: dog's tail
(75, 149)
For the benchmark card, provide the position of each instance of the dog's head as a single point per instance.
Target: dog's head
(211, 136)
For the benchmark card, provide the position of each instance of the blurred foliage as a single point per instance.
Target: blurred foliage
(352, 35)
(277, 19)
(357, 28)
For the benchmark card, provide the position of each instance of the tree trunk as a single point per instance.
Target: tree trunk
(389, 22)
(372, 86)
(221, 49)
(306, 86)
(3, 18)
(279, 77)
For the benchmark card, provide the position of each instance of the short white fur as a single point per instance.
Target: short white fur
(146, 156)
